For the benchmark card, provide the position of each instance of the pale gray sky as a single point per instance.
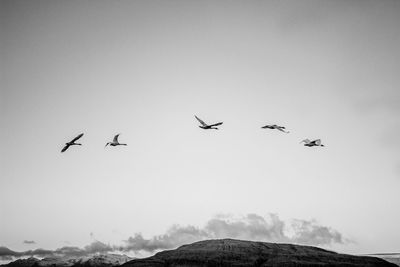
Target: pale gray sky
(323, 69)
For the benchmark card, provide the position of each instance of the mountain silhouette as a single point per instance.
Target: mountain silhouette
(231, 252)
(101, 260)
(217, 253)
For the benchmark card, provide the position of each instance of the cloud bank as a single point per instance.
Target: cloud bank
(29, 242)
(68, 251)
(250, 227)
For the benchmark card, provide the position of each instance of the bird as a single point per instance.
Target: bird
(274, 126)
(205, 126)
(72, 143)
(309, 143)
(115, 142)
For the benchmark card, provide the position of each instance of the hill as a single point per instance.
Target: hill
(230, 252)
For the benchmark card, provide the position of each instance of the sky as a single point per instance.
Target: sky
(323, 69)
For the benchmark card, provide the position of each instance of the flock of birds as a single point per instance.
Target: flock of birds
(114, 142)
(307, 142)
(205, 126)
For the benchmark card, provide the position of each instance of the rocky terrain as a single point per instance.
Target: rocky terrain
(229, 252)
(92, 261)
(29, 262)
(102, 260)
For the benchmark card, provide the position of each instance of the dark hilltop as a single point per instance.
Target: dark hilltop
(230, 252)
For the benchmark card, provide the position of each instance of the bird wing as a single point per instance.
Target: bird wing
(64, 148)
(202, 122)
(76, 138)
(216, 124)
(266, 127)
(317, 142)
(116, 138)
(307, 141)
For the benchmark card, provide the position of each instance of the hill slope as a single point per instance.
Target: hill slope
(229, 252)
(390, 257)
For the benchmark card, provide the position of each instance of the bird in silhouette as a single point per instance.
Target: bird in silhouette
(309, 143)
(72, 143)
(277, 127)
(207, 126)
(115, 142)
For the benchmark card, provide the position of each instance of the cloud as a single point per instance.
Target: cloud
(269, 228)
(29, 242)
(250, 227)
(6, 252)
(310, 233)
(97, 247)
(67, 251)
(175, 236)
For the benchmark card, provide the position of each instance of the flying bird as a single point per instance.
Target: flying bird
(115, 142)
(72, 143)
(206, 126)
(309, 143)
(277, 127)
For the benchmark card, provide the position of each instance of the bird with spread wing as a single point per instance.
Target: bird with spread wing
(277, 127)
(316, 142)
(206, 126)
(115, 142)
(72, 143)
